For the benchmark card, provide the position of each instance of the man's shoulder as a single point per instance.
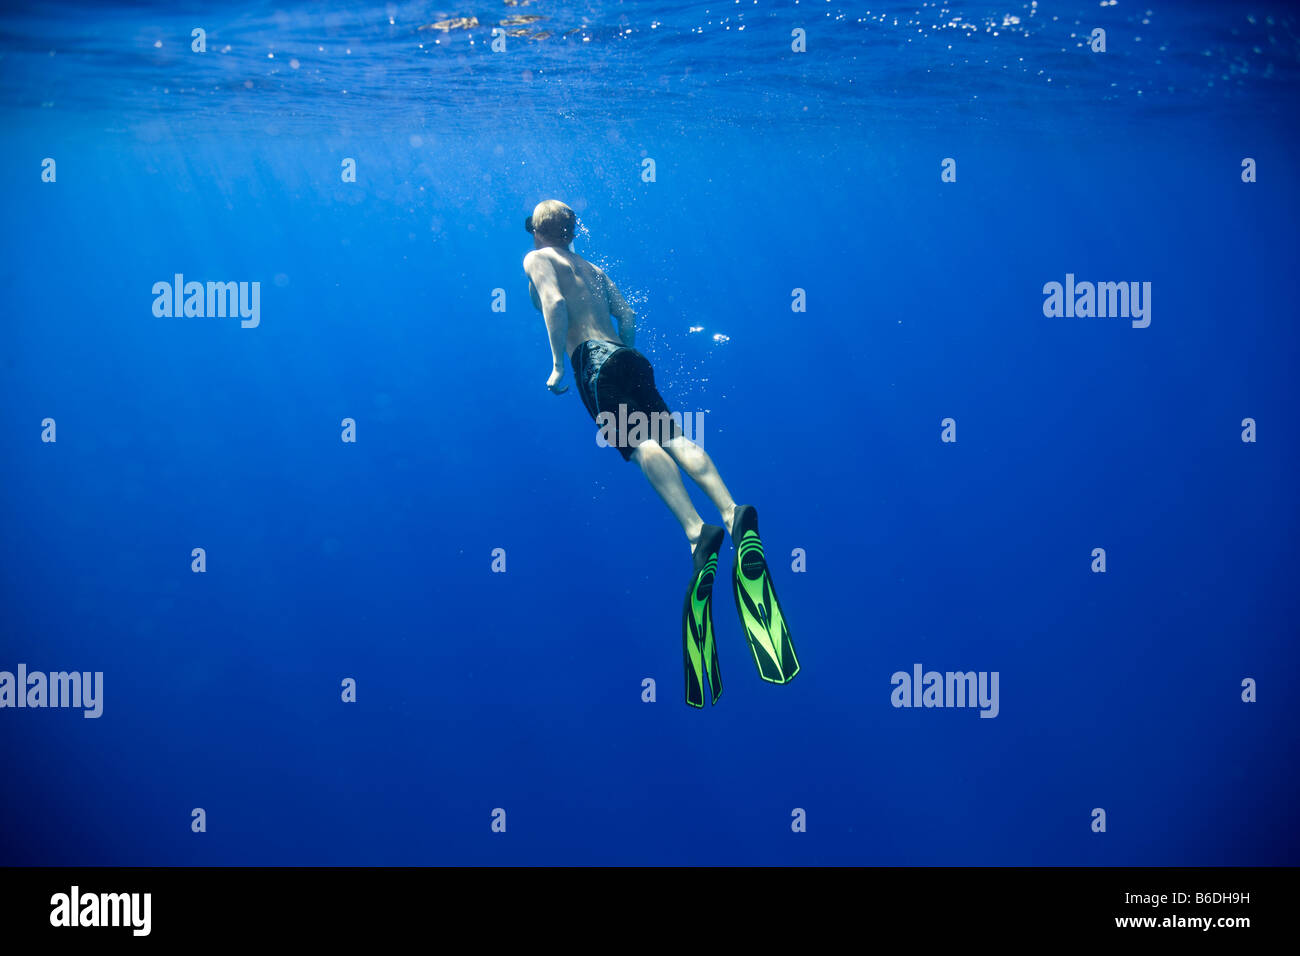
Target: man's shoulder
(537, 256)
(596, 270)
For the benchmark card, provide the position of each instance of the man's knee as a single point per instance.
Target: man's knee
(684, 450)
(647, 452)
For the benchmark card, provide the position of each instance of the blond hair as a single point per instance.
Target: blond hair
(553, 220)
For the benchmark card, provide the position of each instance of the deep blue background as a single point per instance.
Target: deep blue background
(522, 690)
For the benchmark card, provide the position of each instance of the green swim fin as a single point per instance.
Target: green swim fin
(699, 651)
(760, 612)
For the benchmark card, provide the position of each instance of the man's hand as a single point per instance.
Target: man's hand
(553, 383)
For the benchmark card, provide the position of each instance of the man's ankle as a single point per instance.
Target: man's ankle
(729, 517)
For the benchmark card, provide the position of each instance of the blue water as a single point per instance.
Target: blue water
(774, 171)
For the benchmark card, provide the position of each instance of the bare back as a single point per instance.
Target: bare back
(586, 291)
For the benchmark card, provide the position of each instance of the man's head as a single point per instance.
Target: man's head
(552, 224)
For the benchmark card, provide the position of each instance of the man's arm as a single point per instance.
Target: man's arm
(541, 274)
(620, 310)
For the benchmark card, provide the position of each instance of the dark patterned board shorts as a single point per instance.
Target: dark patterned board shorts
(619, 380)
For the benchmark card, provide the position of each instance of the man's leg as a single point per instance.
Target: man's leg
(695, 461)
(667, 481)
